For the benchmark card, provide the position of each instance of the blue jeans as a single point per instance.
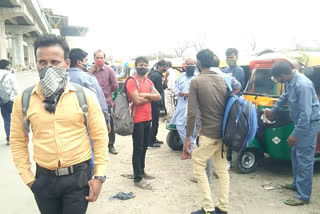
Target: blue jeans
(6, 111)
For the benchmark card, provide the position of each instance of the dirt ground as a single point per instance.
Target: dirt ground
(174, 194)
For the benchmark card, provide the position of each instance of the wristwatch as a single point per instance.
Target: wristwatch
(102, 179)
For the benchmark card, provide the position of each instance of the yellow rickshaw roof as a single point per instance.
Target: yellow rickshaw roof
(306, 58)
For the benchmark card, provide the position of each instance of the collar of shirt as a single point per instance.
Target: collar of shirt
(139, 80)
(37, 89)
(294, 79)
(104, 67)
(74, 69)
(211, 71)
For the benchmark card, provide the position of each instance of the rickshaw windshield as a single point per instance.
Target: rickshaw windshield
(261, 83)
(121, 72)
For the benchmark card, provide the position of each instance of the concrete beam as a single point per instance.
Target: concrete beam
(23, 29)
(16, 2)
(39, 16)
(13, 21)
(9, 13)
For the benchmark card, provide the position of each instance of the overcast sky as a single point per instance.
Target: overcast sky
(128, 28)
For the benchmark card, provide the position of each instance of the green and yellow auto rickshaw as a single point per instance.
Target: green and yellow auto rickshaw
(264, 92)
(270, 139)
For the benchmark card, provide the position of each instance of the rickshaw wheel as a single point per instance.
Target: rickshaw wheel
(174, 141)
(247, 161)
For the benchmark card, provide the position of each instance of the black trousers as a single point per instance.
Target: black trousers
(229, 154)
(155, 121)
(64, 194)
(112, 134)
(141, 138)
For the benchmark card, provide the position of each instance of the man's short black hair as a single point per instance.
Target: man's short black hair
(163, 63)
(206, 58)
(216, 61)
(230, 51)
(75, 55)
(47, 40)
(281, 67)
(140, 59)
(4, 63)
(169, 64)
(99, 51)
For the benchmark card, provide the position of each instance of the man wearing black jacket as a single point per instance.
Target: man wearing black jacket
(155, 76)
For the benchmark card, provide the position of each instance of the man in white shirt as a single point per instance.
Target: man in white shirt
(170, 82)
(9, 82)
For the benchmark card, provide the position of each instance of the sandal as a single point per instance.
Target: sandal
(295, 202)
(289, 186)
(143, 185)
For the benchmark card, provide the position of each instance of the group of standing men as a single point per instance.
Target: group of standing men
(68, 135)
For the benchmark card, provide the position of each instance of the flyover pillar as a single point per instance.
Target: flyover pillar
(31, 57)
(3, 46)
(19, 59)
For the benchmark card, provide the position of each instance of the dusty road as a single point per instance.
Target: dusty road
(173, 192)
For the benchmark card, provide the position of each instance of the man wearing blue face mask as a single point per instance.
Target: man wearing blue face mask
(62, 151)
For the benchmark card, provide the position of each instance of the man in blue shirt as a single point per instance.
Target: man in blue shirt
(233, 69)
(304, 111)
(237, 72)
(79, 74)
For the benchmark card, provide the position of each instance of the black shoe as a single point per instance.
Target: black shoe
(154, 145)
(203, 212)
(158, 142)
(218, 211)
(112, 150)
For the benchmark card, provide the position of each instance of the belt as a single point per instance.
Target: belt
(64, 171)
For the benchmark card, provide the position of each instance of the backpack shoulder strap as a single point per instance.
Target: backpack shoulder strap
(82, 100)
(124, 88)
(2, 79)
(137, 83)
(228, 82)
(25, 101)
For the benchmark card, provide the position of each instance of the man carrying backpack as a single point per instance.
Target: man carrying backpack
(61, 147)
(237, 72)
(304, 109)
(79, 74)
(142, 92)
(8, 92)
(208, 93)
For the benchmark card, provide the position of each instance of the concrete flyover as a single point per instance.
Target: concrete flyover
(21, 22)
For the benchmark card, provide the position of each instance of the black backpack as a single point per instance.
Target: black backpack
(240, 122)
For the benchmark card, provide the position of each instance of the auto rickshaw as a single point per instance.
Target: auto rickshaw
(264, 92)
